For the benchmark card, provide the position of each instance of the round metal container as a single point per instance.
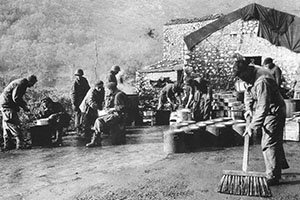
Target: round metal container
(208, 122)
(174, 141)
(218, 120)
(237, 121)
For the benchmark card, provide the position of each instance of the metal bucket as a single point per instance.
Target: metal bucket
(184, 114)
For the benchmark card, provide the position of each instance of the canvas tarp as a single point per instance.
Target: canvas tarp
(279, 28)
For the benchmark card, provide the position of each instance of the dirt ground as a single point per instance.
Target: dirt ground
(138, 170)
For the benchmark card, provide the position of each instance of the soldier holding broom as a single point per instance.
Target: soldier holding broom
(266, 107)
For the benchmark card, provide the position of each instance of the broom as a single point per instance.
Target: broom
(244, 182)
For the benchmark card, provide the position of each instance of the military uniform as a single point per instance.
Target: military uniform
(269, 113)
(111, 78)
(120, 103)
(78, 92)
(168, 92)
(92, 102)
(202, 106)
(202, 101)
(11, 100)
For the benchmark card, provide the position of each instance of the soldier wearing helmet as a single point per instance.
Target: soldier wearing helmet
(79, 89)
(117, 112)
(112, 74)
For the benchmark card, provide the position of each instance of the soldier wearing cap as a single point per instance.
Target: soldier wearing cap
(11, 100)
(79, 89)
(117, 111)
(274, 69)
(92, 102)
(266, 109)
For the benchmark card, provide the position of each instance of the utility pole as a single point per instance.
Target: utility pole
(97, 55)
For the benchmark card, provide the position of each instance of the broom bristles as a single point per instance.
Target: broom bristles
(244, 183)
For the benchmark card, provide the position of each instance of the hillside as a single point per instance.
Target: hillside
(54, 37)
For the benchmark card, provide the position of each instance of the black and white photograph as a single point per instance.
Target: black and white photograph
(149, 100)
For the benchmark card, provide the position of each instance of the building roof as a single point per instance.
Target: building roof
(164, 66)
(280, 28)
(193, 20)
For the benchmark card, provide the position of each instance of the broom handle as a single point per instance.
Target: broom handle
(246, 153)
(246, 147)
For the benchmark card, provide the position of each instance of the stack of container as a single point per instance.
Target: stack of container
(189, 136)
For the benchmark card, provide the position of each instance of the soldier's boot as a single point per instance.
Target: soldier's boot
(95, 141)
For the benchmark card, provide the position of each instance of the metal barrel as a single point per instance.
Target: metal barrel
(174, 141)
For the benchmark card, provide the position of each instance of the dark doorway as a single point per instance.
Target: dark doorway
(253, 60)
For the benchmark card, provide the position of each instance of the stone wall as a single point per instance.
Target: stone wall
(173, 38)
(213, 57)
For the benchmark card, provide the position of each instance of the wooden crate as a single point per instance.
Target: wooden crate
(291, 130)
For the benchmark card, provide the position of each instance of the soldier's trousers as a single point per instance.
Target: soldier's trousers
(272, 146)
(106, 121)
(78, 120)
(11, 127)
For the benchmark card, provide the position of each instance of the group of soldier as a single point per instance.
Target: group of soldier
(265, 108)
(194, 94)
(86, 101)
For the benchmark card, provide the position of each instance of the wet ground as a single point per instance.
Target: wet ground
(137, 170)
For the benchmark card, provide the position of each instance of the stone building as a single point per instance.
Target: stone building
(207, 51)
(207, 47)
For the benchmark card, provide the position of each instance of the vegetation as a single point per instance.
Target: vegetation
(52, 38)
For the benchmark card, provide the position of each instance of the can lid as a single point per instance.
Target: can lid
(190, 122)
(177, 130)
(193, 126)
(209, 122)
(201, 124)
(239, 121)
(186, 129)
(220, 125)
(228, 123)
(241, 124)
(218, 120)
